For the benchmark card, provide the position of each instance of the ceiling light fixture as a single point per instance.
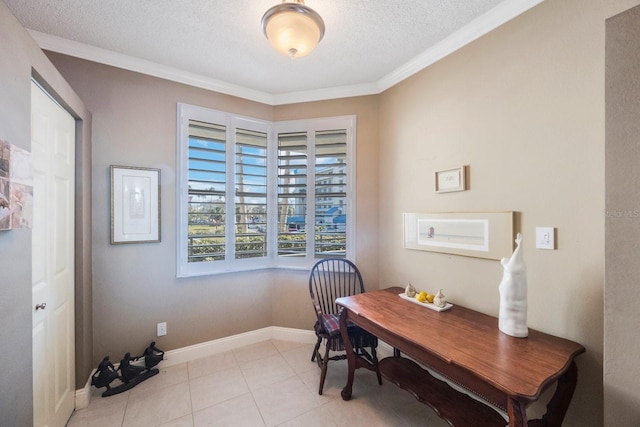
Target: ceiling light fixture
(293, 28)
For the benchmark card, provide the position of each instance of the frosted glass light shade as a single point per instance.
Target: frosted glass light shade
(293, 29)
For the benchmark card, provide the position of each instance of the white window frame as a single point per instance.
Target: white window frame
(188, 112)
(311, 126)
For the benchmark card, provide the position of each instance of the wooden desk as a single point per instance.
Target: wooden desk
(466, 347)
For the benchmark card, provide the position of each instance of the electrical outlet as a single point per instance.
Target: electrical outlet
(162, 329)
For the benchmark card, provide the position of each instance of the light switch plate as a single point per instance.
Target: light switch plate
(545, 238)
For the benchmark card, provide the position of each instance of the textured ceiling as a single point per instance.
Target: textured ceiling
(365, 40)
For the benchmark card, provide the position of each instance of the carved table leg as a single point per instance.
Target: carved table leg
(517, 411)
(559, 403)
(351, 357)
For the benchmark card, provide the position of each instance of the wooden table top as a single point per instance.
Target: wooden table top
(463, 337)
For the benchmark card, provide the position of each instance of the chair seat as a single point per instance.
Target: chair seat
(329, 327)
(331, 324)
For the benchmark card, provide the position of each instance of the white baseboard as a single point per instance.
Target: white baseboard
(294, 335)
(83, 395)
(196, 351)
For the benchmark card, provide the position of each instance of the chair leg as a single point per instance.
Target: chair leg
(315, 349)
(323, 371)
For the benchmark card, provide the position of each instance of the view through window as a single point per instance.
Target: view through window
(256, 201)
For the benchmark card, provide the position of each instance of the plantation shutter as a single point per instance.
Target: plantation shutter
(207, 192)
(292, 194)
(330, 193)
(251, 194)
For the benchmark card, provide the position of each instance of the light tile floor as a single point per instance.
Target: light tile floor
(271, 383)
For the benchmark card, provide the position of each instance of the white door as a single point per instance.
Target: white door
(53, 151)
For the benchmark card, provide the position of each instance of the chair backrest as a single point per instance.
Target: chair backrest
(332, 278)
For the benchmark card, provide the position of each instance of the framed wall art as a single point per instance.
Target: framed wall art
(449, 180)
(135, 205)
(476, 234)
(16, 187)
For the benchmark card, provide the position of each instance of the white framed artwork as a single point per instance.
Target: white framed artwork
(449, 180)
(476, 234)
(135, 205)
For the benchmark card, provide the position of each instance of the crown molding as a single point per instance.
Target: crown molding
(502, 13)
(115, 59)
(327, 93)
(480, 26)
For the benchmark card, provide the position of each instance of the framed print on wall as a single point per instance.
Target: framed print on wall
(16, 187)
(474, 234)
(135, 205)
(449, 180)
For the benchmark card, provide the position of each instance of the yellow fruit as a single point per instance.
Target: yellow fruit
(422, 296)
(430, 298)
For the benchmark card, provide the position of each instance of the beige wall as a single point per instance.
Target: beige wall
(135, 286)
(622, 293)
(524, 107)
(20, 60)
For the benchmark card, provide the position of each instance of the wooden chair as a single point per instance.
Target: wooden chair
(330, 279)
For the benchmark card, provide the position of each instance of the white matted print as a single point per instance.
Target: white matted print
(135, 205)
(449, 180)
(475, 234)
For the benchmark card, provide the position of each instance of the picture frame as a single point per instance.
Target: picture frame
(16, 187)
(449, 180)
(135, 204)
(488, 235)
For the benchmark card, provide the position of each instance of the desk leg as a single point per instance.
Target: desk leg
(559, 403)
(351, 357)
(556, 408)
(517, 411)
